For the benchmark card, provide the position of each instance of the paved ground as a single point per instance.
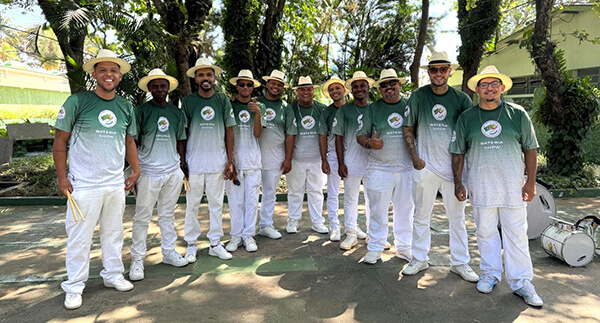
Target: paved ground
(299, 278)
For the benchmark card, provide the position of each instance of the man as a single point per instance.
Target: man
(433, 109)
(494, 136)
(99, 128)
(160, 126)
(334, 89)
(352, 158)
(306, 165)
(389, 169)
(242, 195)
(209, 156)
(276, 147)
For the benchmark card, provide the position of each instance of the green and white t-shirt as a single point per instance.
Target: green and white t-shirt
(247, 149)
(307, 120)
(386, 119)
(158, 129)
(98, 129)
(348, 121)
(207, 119)
(434, 116)
(278, 122)
(493, 142)
(326, 127)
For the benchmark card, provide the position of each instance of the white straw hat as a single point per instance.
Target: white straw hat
(332, 80)
(304, 81)
(490, 71)
(388, 75)
(105, 55)
(276, 75)
(439, 58)
(244, 75)
(358, 76)
(156, 74)
(203, 63)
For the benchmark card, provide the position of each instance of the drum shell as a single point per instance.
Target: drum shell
(564, 242)
(539, 212)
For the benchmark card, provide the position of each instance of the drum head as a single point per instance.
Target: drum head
(539, 212)
(578, 250)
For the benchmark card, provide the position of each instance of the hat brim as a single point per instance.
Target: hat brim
(124, 67)
(269, 78)
(143, 83)
(506, 81)
(325, 87)
(452, 65)
(234, 80)
(191, 72)
(387, 79)
(352, 80)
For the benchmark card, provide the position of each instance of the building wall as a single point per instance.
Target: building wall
(18, 86)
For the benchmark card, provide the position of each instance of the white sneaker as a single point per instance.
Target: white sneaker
(404, 254)
(335, 234)
(414, 266)
(219, 251)
(250, 244)
(173, 258)
(292, 226)
(136, 270)
(529, 295)
(233, 244)
(72, 301)
(387, 246)
(350, 240)
(190, 254)
(121, 284)
(465, 272)
(360, 234)
(269, 232)
(319, 228)
(371, 257)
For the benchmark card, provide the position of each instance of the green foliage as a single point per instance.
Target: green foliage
(477, 22)
(571, 124)
(38, 170)
(587, 177)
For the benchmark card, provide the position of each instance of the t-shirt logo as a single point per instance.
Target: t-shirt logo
(359, 120)
(61, 113)
(406, 111)
(208, 113)
(491, 129)
(308, 122)
(270, 114)
(395, 120)
(334, 122)
(244, 116)
(163, 124)
(453, 136)
(107, 118)
(439, 112)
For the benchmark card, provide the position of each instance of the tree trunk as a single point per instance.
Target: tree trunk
(414, 67)
(268, 56)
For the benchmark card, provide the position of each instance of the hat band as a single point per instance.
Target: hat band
(388, 77)
(440, 62)
(305, 84)
(277, 79)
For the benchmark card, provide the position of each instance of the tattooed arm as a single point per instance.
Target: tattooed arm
(457, 168)
(409, 139)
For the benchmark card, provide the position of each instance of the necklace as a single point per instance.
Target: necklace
(312, 109)
(497, 118)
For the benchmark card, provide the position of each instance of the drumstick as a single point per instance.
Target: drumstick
(75, 207)
(71, 205)
(78, 209)
(186, 184)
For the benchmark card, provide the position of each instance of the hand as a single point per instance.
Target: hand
(343, 170)
(253, 106)
(529, 191)
(376, 143)
(325, 166)
(419, 163)
(286, 166)
(229, 171)
(64, 185)
(460, 192)
(185, 170)
(131, 180)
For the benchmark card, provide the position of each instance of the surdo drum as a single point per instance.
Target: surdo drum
(569, 244)
(539, 211)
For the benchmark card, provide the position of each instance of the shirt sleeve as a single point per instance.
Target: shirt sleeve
(291, 127)
(339, 124)
(132, 126)
(467, 103)
(528, 138)
(67, 114)
(458, 143)
(324, 122)
(367, 123)
(228, 117)
(181, 133)
(411, 110)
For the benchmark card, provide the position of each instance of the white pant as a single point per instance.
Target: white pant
(306, 175)
(104, 205)
(333, 191)
(351, 194)
(162, 191)
(514, 240)
(426, 185)
(214, 186)
(270, 180)
(243, 203)
(383, 187)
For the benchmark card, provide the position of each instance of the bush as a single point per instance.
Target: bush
(588, 177)
(38, 170)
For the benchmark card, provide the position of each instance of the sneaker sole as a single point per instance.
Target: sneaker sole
(349, 248)
(411, 274)
(135, 279)
(120, 290)
(74, 307)
(216, 255)
(270, 237)
(319, 232)
(175, 265)
(463, 277)
(526, 302)
(190, 261)
(371, 263)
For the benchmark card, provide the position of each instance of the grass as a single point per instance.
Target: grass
(38, 170)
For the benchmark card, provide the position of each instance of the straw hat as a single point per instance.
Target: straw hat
(244, 75)
(276, 75)
(388, 75)
(358, 76)
(332, 80)
(203, 63)
(440, 58)
(304, 81)
(157, 74)
(105, 55)
(490, 71)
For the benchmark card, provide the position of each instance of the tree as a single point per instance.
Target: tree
(414, 67)
(270, 43)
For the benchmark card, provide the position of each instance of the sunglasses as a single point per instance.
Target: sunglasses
(494, 84)
(383, 85)
(241, 84)
(442, 70)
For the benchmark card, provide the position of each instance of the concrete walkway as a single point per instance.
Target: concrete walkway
(300, 278)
